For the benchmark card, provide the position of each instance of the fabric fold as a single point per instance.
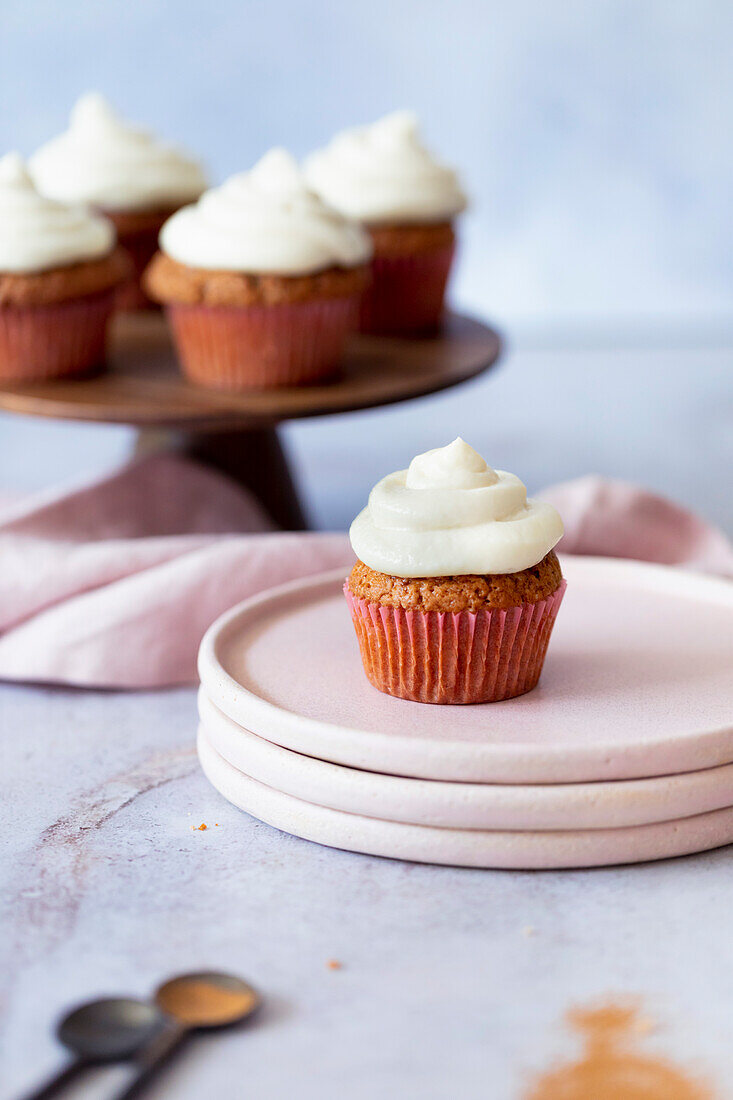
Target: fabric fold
(113, 583)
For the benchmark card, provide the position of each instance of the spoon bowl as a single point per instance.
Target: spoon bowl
(110, 1029)
(207, 999)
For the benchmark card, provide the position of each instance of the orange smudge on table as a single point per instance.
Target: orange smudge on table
(610, 1068)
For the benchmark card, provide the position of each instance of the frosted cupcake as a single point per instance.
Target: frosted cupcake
(59, 273)
(457, 585)
(126, 173)
(261, 280)
(384, 177)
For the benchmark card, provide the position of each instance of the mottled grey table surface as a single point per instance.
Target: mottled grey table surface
(453, 982)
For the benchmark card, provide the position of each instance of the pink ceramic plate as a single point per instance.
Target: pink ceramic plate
(466, 805)
(637, 683)
(465, 847)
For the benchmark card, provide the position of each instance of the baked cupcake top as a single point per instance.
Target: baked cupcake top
(103, 161)
(37, 233)
(384, 174)
(265, 221)
(451, 515)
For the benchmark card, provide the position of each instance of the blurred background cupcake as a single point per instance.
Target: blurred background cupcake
(60, 270)
(261, 280)
(384, 177)
(125, 173)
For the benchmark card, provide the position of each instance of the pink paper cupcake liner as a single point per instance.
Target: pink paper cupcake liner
(258, 347)
(463, 657)
(54, 341)
(406, 294)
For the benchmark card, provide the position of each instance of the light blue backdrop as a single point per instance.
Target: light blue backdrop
(594, 137)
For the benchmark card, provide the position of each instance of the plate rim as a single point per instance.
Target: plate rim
(266, 719)
(305, 817)
(627, 799)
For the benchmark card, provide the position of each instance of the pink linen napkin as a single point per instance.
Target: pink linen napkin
(112, 584)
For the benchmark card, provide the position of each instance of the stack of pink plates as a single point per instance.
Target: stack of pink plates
(623, 753)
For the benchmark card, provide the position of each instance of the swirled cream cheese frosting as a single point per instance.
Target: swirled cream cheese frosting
(450, 514)
(266, 220)
(384, 174)
(103, 161)
(37, 233)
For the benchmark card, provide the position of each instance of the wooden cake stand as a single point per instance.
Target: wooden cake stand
(236, 433)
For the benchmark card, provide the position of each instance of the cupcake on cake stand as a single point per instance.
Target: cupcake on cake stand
(254, 277)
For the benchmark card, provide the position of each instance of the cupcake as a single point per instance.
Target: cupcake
(383, 176)
(261, 280)
(59, 273)
(457, 585)
(125, 173)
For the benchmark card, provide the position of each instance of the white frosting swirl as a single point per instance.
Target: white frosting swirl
(36, 233)
(264, 220)
(383, 173)
(103, 161)
(450, 515)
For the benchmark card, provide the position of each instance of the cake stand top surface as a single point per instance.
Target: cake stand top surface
(143, 386)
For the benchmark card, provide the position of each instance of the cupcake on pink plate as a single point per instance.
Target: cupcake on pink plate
(124, 172)
(60, 270)
(384, 177)
(261, 280)
(457, 585)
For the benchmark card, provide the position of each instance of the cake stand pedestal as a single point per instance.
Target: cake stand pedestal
(253, 457)
(237, 433)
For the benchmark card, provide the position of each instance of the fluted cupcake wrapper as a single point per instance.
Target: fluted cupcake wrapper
(407, 293)
(463, 657)
(57, 340)
(258, 347)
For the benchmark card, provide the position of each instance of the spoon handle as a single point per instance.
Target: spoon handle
(162, 1048)
(59, 1081)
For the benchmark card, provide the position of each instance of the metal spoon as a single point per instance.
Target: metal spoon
(192, 1002)
(109, 1030)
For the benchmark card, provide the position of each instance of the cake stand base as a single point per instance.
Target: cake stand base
(254, 458)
